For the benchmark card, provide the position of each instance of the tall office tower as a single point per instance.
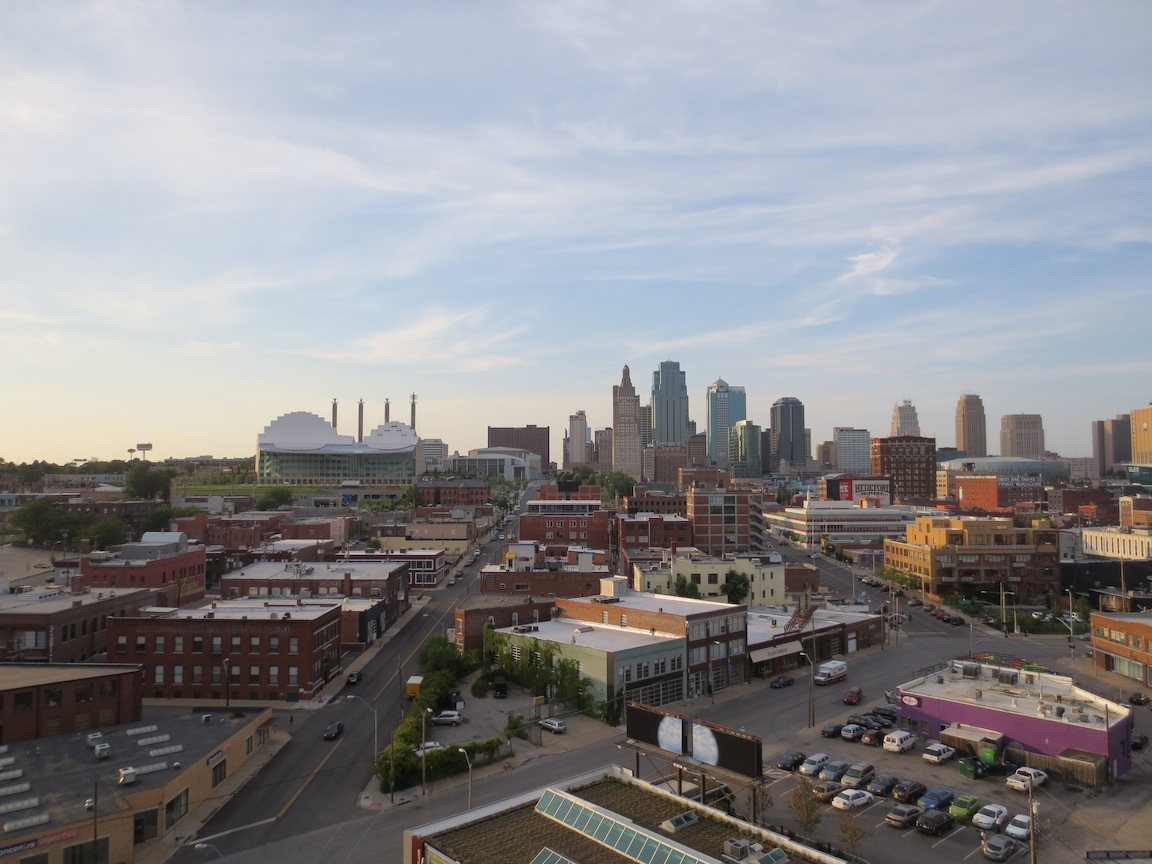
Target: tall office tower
(911, 463)
(790, 448)
(1141, 446)
(744, 450)
(646, 429)
(726, 407)
(533, 438)
(627, 442)
(1112, 442)
(669, 404)
(826, 456)
(853, 450)
(971, 431)
(435, 453)
(603, 448)
(697, 449)
(577, 439)
(904, 419)
(1022, 435)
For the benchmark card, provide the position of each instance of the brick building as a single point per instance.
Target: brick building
(576, 523)
(40, 700)
(279, 651)
(989, 492)
(49, 624)
(643, 500)
(239, 532)
(163, 562)
(1122, 643)
(970, 554)
(910, 461)
(726, 520)
(652, 531)
(568, 491)
(1135, 511)
(453, 493)
(477, 611)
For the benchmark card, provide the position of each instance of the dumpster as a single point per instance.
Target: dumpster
(971, 768)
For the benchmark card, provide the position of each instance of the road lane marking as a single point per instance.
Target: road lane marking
(309, 779)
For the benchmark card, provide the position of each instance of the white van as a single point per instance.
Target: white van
(899, 742)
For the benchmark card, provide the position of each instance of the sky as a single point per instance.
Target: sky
(216, 213)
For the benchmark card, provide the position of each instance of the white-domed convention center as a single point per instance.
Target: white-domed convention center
(303, 449)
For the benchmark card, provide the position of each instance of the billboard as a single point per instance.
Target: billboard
(854, 488)
(707, 743)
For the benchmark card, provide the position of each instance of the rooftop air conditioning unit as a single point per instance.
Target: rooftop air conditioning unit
(127, 776)
(737, 848)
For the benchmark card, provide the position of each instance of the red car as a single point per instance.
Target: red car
(853, 696)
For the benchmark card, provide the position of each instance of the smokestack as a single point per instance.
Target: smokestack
(387, 411)
(333, 413)
(413, 423)
(360, 424)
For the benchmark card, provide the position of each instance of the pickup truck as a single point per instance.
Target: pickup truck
(1025, 778)
(938, 753)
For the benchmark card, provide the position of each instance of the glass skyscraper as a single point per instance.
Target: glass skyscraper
(726, 407)
(669, 404)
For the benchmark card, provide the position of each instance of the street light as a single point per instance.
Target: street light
(227, 684)
(469, 761)
(811, 690)
(1071, 630)
(424, 751)
(208, 846)
(375, 729)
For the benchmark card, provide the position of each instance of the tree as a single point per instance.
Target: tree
(617, 485)
(275, 498)
(735, 586)
(43, 521)
(806, 809)
(103, 532)
(851, 831)
(145, 482)
(685, 587)
(160, 517)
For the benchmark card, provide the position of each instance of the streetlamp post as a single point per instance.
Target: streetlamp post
(1071, 629)
(811, 690)
(712, 670)
(375, 729)
(469, 761)
(424, 751)
(227, 684)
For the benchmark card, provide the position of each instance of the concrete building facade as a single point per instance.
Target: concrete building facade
(1022, 436)
(971, 426)
(627, 440)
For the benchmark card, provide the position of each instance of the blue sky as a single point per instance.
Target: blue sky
(212, 214)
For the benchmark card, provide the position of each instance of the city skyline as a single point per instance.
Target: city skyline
(212, 219)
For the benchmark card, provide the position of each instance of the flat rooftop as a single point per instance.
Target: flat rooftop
(668, 603)
(237, 610)
(766, 623)
(600, 637)
(1018, 691)
(271, 571)
(50, 599)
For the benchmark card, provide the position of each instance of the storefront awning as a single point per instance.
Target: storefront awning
(759, 655)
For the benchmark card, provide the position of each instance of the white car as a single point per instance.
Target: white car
(989, 816)
(1026, 778)
(938, 753)
(447, 718)
(814, 764)
(428, 747)
(850, 799)
(554, 725)
(1020, 828)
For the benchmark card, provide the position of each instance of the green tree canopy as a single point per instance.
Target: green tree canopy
(616, 485)
(145, 482)
(735, 586)
(685, 587)
(274, 498)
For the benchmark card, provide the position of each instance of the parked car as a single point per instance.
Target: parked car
(790, 760)
(964, 807)
(938, 754)
(859, 775)
(782, 681)
(997, 847)
(1139, 698)
(852, 799)
(826, 790)
(427, 747)
(881, 785)
(852, 732)
(936, 799)
(990, 817)
(915, 602)
(354, 678)
(447, 718)
(872, 737)
(1026, 778)
(812, 765)
(853, 695)
(832, 730)
(333, 730)
(883, 720)
(835, 769)
(885, 711)
(1019, 827)
(908, 790)
(1138, 741)
(903, 815)
(554, 725)
(864, 720)
(934, 822)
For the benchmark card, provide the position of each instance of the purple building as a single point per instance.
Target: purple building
(1040, 713)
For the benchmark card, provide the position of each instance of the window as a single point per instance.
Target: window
(293, 644)
(273, 644)
(159, 645)
(177, 644)
(273, 675)
(197, 674)
(217, 644)
(178, 674)
(677, 662)
(158, 674)
(197, 644)
(235, 644)
(254, 645)
(253, 674)
(121, 644)
(293, 675)
(141, 644)
(219, 772)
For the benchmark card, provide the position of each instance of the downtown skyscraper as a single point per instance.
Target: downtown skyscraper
(971, 428)
(627, 439)
(905, 420)
(669, 404)
(727, 406)
(790, 449)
